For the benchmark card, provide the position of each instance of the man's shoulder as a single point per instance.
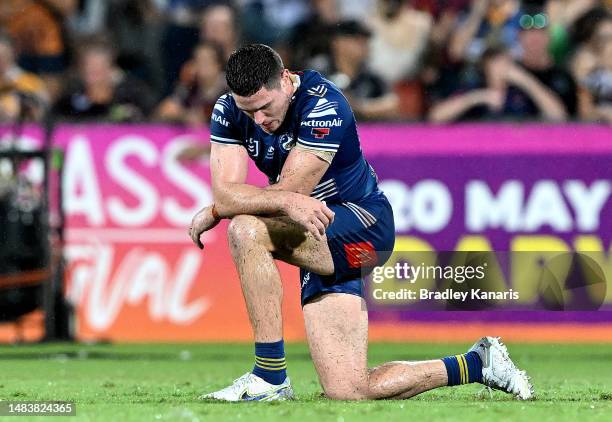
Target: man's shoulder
(320, 98)
(224, 103)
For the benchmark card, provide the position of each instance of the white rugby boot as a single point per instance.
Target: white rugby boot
(250, 387)
(498, 370)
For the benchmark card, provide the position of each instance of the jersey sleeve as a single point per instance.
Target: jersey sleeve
(223, 128)
(324, 121)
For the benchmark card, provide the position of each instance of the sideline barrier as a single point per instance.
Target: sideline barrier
(134, 275)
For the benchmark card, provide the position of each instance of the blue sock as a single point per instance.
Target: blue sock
(463, 369)
(270, 364)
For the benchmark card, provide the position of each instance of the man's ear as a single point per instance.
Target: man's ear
(286, 82)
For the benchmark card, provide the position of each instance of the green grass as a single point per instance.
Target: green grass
(162, 382)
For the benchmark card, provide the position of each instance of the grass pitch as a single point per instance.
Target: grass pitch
(162, 382)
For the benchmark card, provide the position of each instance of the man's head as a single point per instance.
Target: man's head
(534, 37)
(260, 84)
(97, 63)
(219, 25)
(350, 42)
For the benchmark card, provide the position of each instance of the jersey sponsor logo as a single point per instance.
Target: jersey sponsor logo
(323, 108)
(252, 146)
(322, 123)
(360, 254)
(306, 279)
(220, 119)
(319, 90)
(320, 132)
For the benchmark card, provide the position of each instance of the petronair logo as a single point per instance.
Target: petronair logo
(323, 108)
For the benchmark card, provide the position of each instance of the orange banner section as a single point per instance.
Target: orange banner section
(30, 330)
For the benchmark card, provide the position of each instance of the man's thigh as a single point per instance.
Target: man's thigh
(337, 333)
(286, 241)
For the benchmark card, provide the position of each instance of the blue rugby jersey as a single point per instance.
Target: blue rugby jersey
(319, 117)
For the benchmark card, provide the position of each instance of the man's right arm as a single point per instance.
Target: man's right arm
(231, 193)
(233, 196)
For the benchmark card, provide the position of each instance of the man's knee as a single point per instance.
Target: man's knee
(243, 229)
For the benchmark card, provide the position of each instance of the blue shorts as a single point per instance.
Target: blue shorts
(360, 238)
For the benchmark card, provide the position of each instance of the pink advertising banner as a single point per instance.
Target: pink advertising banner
(133, 274)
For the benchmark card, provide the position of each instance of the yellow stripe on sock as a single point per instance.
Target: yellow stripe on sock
(467, 369)
(271, 359)
(271, 368)
(461, 369)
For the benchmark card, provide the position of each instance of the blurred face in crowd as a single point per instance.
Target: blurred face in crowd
(353, 48)
(218, 25)
(207, 64)
(7, 59)
(96, 67)
(534, 43)
(268, 106)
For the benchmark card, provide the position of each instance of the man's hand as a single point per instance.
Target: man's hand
(310, 213)
(201, 222)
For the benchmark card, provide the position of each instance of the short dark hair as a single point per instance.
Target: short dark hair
(252, 67)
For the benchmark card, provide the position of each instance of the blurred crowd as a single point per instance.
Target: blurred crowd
(396, 60)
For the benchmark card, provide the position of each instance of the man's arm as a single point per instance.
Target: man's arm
(453, 108)
(547, 101)
(301, 173)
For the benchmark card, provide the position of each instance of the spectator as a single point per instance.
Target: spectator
(309, 43)
(446, 15)
(504, 90)
(271, 21)
(564, 15)
(218, 25)
(400, 37)
(365, 91)
(592, 68)
(36, 28)
(131, 20)
(23, 95)
(180, 35)
(202, 82)
(536, 57)
(102, 91)
(489, 23)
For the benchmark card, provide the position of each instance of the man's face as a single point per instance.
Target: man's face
(353, 47)
(268, 107)
(217, 25)
(535, 42)
(96, 68)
